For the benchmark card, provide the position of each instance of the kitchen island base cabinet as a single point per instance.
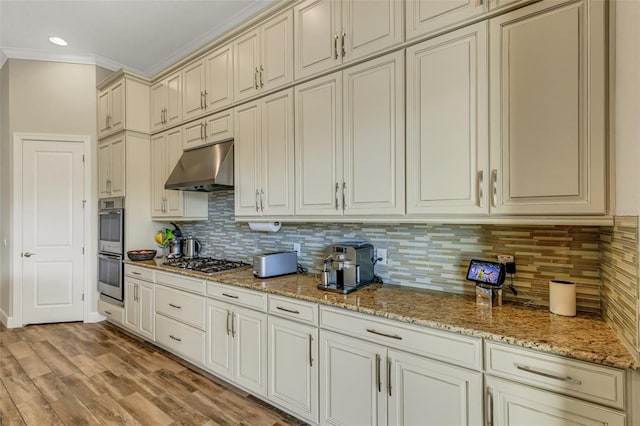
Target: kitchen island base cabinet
(512, 404)
(293, 367)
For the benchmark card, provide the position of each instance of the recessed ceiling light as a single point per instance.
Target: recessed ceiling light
(57, 40)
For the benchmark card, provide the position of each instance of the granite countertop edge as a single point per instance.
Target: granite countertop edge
(244, 278)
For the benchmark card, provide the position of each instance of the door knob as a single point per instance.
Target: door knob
(28, 254)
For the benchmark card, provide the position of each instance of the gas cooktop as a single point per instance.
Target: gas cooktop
(208, 265)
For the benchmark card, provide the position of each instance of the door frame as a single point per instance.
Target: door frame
(16, 219)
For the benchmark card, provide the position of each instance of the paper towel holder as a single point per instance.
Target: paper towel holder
(265, 226)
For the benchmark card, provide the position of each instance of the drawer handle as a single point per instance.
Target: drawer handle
(549, 375)
(392, 336)
(291, 311)
(175, 306)
(136, 273)
(177, 339)
(108, 312)
(230, 295)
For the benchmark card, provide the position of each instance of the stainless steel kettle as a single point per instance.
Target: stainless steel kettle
(190, 247)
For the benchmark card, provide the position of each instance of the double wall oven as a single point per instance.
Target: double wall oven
(111, 248)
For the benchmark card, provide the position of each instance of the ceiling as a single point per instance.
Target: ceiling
(143, 36)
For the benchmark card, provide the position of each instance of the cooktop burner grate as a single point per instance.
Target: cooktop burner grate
(208, 265)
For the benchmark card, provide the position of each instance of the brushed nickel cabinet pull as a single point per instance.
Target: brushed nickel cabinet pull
(489, 408)
(480, 185)
(233, 325)
(548, 375)
(310, 353)
(337, 189)
(344, 37)
(494, 190)
(261, 200)
(389, 376)
(175, 306)
(108, 312)
(293, 311)
(205, 98)
(257, 195)
(335, 45)
(230, 295)
(344, 190)
(228, 327)
(378, 380)
(379, 333)
(136, 273)
(261, 71)
(255, 78)
(177, 339)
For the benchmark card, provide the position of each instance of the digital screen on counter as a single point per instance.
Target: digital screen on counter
(485, 272)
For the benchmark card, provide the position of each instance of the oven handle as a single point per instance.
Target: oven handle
(110, 256)
(105, 212)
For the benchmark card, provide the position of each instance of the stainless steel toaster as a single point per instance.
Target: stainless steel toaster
(267, 265)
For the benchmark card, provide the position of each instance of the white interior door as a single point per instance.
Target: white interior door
(52, 231)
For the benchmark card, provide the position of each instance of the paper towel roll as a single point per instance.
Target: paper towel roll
(265, 226)
(562, 298)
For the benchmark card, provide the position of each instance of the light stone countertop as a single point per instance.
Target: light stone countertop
(586, 337)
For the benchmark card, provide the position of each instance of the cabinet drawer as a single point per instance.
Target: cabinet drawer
(239, 296)
(139, 272)
(112, 312)
(591, 382)
(295, 309)
(180, 339)
(192, 285)
(448, 347)
(220, 126)
(181, 306)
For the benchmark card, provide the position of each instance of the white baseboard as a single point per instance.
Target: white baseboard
(7, 321)
(95, 317)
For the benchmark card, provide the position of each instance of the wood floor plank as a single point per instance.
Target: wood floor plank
(9, 414)
(87, 365)
(110, 412)
(144, 411)
(34, 366)
(37, 411)
(20, 350)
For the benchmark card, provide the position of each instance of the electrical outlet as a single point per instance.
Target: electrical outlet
(296, 248)
(382, 255)
(505, 258)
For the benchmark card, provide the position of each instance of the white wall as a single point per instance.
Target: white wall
(55, 98)
(626, 104)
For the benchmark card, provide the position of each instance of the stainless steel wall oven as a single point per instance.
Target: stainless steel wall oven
(111, 247)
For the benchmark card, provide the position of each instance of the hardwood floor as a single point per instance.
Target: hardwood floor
(93, 374)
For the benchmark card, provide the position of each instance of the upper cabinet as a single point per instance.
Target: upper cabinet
(350, 141)
(427, 16)
(166, 102)
(447, 120)
(264, 57)
(332, 32)
(123, 104)
(208, 83)
(111, 167)
(548, 109)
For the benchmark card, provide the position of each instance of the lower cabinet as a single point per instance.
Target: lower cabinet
(293, 367)
(139, 307)
(368, 384)
(181, 339)
(513, 404)
(113, 313)
(236, 345)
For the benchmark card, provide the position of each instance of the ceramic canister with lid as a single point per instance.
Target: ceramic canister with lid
(562, 297)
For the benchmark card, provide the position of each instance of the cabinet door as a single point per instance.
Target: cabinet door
(498, 4)
(369, 26)
(247, 159)
(194, 134)
(104, 107)
(293, 367)
(219, 84)
(173, 103)
(374, 136)
(276, 66)
(426, 16)
(318, 141)
(249, 331)
(277, 154)
(547, 109)
(131, 304)
(158, 174)
(447, 135)
(158, 104)
(147, 311)
(175, 198)
(116, 121)
(247, 65)
(512, 404)
(317, 34)
(219, 339)
(353, 386)
(104, 170)
(118, 148)
(193, 79)
(430, 393)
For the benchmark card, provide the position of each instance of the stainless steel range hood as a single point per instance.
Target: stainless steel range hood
(205, 169)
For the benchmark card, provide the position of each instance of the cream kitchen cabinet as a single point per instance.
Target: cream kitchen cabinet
(166, 102)
(263, 58)
(208, 83)
(293, 356)
(329, 33)
(447, 124)
(264, 154)
(427, 16)
(350, 141)
(111, 166)
(548, 109)
(123, 103)
(236, 345)
(211, 129)
(139, 310)
(166, 149)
